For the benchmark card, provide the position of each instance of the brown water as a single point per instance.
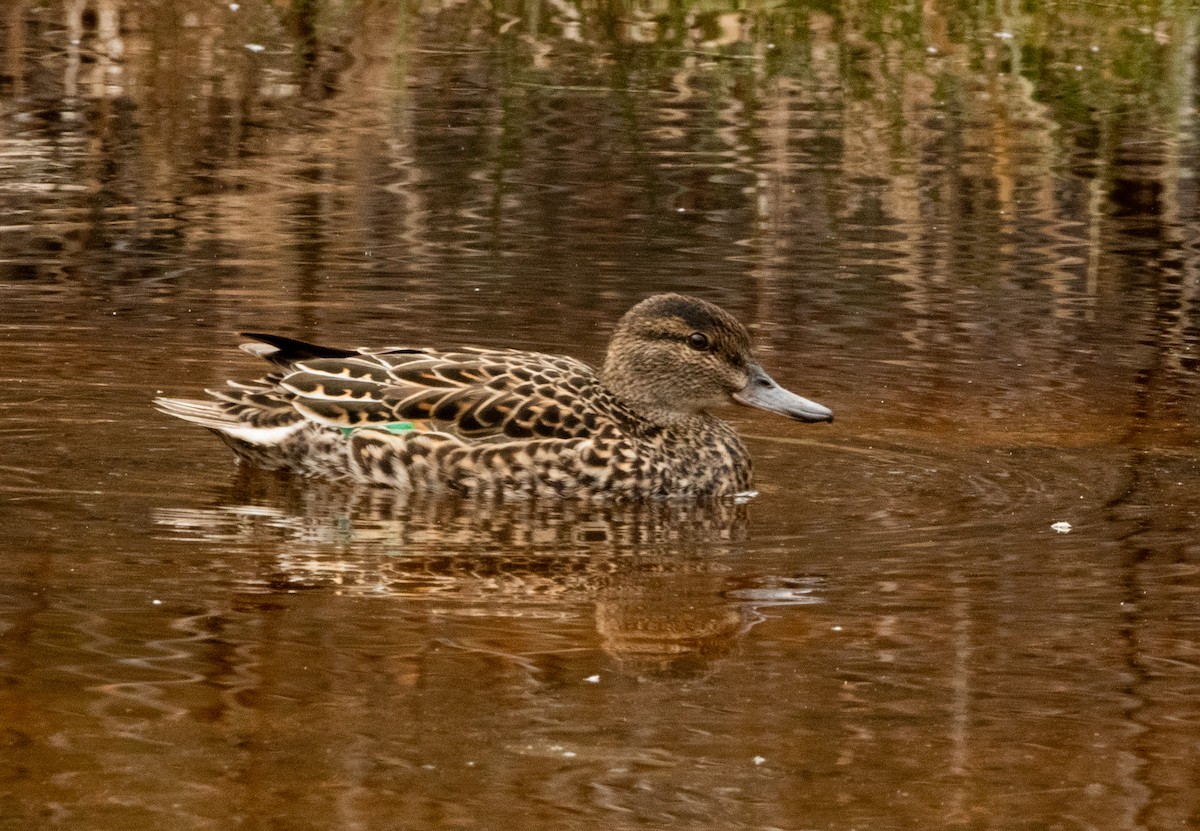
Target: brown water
(969, 228)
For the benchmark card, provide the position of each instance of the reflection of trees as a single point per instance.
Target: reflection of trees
(905, 147)
(732, 114)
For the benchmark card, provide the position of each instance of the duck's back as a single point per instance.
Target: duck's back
(476, 395)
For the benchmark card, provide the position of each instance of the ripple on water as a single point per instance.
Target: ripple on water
(892, 487)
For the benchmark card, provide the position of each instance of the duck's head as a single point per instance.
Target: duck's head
(673, 357)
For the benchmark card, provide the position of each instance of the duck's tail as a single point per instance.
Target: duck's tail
(205, 413)
(220, 418)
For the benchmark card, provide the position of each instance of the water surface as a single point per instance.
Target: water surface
(967, 228)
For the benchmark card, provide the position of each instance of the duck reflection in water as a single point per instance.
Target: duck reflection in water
(511, 423)
(658, 574)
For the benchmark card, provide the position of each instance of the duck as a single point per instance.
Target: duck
(507, 422)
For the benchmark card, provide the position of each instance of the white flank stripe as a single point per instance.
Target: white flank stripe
(262, 435)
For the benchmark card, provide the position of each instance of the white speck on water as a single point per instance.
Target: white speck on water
(1004, 35)
(758, 760)
(156, 602)
(836, 628)
(568, 754)
(932, 50)
(256, 47)
(233, 7)
(777, 595)
(1062, 527)
(592, 679)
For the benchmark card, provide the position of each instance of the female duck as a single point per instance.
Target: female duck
(502, 421)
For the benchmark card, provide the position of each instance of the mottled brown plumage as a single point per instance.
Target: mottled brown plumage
(507, 422)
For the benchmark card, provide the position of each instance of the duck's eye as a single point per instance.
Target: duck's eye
(698, 341)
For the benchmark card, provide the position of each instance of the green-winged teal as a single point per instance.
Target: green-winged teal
(502, 421)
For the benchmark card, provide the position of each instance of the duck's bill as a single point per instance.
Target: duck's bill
(764, 393)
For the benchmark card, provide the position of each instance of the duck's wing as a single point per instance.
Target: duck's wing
(475, 394)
